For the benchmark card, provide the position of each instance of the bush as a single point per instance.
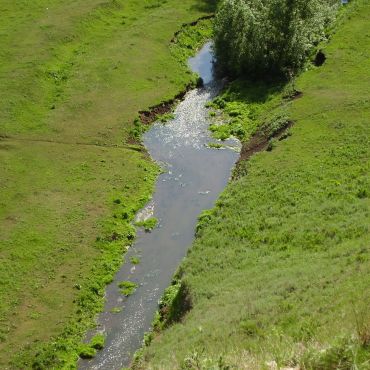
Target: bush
(269, 37)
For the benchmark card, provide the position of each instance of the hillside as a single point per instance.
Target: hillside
(279, 273)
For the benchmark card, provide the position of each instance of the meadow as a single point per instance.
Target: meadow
(279, 273)
(73, 76)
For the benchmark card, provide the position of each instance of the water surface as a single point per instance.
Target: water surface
(193, 178)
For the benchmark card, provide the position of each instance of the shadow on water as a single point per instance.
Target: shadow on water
(193, 178)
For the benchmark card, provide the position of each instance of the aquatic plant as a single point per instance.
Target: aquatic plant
(148, 224)
(135, 260)
(127, 287)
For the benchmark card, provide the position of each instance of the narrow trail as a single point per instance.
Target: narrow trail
(128, 147)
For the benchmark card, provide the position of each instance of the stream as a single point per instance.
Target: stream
(194, 175)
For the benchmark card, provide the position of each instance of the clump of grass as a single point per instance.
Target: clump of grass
(362, 193)
(220, 132)
(165, 117)
(251, 328)
(35, 315)
(148, 224)
(127, 287)
(275, 123)
(203, 220)
(271, 145)
(347, 353)
(198, 361)
(215, 145)
(86, 351)
(98, 341)
(116, 310)
(134, 260)
(138, 129)
(174, 304)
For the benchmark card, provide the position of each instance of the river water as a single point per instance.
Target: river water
(194, 175)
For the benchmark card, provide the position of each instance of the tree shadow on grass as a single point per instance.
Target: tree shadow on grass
(206, 6)
(243, 90)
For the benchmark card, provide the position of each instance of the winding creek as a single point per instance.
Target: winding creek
(194, 175)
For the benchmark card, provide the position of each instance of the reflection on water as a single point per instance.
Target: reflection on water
(194, 176)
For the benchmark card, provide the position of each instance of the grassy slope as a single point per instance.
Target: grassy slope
(73, 75)
(281, 269)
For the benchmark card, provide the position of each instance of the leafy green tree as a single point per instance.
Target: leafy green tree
(269, 37)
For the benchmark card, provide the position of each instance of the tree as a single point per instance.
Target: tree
(269, 37)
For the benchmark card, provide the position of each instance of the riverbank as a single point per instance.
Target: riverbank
(194, 175)
(73, 77)
(278, 275)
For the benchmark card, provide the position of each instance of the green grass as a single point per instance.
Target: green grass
(116, 310)
(280, 270)
(148, 224)
(89, 350)
(98, 341)
(135, 260)
(215, 146)
(241, 106)
(127, 287)
(165, 117)
(86, 351)
(73, 76)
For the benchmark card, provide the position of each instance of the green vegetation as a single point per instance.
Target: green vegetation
(165, 117)
(243, 107)
(148, 224)
(171, 306)
(215, 146)
(73, 75)
(269, 37)
(135, 260)
(97, 341)
(127, 287)
(116, 310)
(279, 273)
(88, 350)
(191, 37)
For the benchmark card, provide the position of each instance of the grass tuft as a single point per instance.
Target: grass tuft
(148, 224)
(127, 287)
